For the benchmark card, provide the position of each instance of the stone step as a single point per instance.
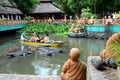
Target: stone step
(27, 77)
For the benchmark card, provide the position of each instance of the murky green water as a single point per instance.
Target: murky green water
(39, 63)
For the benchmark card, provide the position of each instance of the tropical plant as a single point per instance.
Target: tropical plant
(96, 6)
(26, 18)
(4, 19)
(73, 6)
(86, 13)
(43, 28)
(25, 5)
(117, 15)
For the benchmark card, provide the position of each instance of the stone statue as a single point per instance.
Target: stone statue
(73, 69)
(76, 30)
(72, 28)
(108, 55)
(109, 51)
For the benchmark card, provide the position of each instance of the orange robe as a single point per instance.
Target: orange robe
(73, 70)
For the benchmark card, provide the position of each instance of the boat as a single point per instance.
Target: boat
(46, 44)
(76, 35)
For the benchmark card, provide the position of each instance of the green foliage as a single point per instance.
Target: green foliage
(117, 15)
(117, 51)
(25, 5)
(81, 26)
(73, 6)
(26, 18)
(43, 28)
(4, 19)
(86, 13)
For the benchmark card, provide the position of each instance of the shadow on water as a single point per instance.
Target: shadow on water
(40, 63)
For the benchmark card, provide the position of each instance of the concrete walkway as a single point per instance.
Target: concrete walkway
(92, 72)
(27, 77)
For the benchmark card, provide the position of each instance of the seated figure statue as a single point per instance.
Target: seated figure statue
(72, 28)
(109, 51)
(91, 21)
(73, 69)
(109, 20)
(49, 20)
(108, 55)
(76, 30)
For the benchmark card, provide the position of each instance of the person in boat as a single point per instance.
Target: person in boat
(33, 38)
(46, 38)
(38, 38)
(73, 69)
(76, 30)
(72, 28)
(24, 37)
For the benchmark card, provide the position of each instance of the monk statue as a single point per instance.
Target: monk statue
(49, 20)
(109, 20)
(73, 69)
(64, 20)
(76, 30)
(108, 55)
(72, 28)
(109, 51)
(91, 21)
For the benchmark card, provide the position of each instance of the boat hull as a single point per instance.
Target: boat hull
(42, 44)
(76, 35)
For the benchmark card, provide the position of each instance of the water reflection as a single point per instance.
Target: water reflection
(44, 67)
(18, 65)
(87, 46)
(39, 63)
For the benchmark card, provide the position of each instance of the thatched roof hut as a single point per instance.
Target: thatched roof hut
(5, 3)
(2, 10)
(9, 10)
(45, 9)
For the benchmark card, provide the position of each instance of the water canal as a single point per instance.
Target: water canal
(41, 64)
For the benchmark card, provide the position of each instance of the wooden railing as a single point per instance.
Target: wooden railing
(77, 21)
(12, 22)
(55, 21)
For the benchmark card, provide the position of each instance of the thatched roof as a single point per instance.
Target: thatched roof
(14, 4)
(8, 8)
(46, 8)
(13, 10)
(5, 3)
(2, 10)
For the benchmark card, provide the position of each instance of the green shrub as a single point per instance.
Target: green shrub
(43, 28)
(86, 13)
